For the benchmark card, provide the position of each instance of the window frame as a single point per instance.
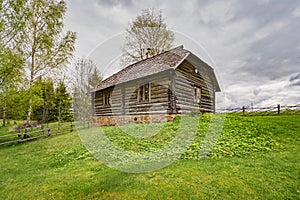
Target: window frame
(107, 98)
(144, 93)
(197, 94)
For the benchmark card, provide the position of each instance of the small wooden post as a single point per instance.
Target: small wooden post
(49, 131)
(243, 110)
(278, 109)
(71, 127)
(4, 117)
(42, 129)
(19, 135)
(26, 135)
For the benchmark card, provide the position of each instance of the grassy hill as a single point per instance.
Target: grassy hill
(254, 158)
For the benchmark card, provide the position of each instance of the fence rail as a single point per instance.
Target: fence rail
(23, 135)
(262, 111)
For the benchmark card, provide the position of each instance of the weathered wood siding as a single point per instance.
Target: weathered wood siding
(186, 80)
(124, 97)
(171, 92)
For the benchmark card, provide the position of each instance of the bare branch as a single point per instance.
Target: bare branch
(148, 30)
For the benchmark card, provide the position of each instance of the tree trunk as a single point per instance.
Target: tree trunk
(32, 71)
(45, 116)
(59, 114)
(4, 117)
(29, 110)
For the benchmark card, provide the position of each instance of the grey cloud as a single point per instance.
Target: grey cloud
(295, 80)
(278, 53)
(297, 77)
(274, 53)
(115, 2)
(296, 83)
(265, 12)
(256, 92)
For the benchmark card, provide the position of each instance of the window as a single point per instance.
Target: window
(107, 98)
(144, 93)
(197, 94)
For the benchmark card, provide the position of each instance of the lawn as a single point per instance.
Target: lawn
(254, 158)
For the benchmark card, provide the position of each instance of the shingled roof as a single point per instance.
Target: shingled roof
(158, 63)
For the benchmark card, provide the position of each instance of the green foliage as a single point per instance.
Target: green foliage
(15, 102)
(62, 104)
(69, 155)
(43, 100)
(11, 58)
(11, 65)
(51, 104)
(240, 137)
(46, 46)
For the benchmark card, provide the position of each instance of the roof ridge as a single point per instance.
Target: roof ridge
(178, 47)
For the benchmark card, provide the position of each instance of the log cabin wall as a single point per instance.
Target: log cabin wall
(124, 98)
(188, 78)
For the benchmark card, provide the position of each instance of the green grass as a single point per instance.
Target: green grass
(254, 158)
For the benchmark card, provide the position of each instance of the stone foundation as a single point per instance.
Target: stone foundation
(130, 119)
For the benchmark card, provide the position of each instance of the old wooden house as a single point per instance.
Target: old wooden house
(156, 89)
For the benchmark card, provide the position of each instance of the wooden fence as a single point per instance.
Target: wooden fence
(28, 134)
(262, 111)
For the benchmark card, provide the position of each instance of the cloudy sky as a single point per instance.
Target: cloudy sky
(254, 46)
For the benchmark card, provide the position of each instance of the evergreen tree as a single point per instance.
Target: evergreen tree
(63, 104)
(43, 100)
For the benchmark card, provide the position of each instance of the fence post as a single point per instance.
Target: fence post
(243, 110)
(71, 127)
(278, 109)
(49, 132)
(42, 129)
(19, 135)
(26, 135)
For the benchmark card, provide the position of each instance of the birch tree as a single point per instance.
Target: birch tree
(44, 44)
